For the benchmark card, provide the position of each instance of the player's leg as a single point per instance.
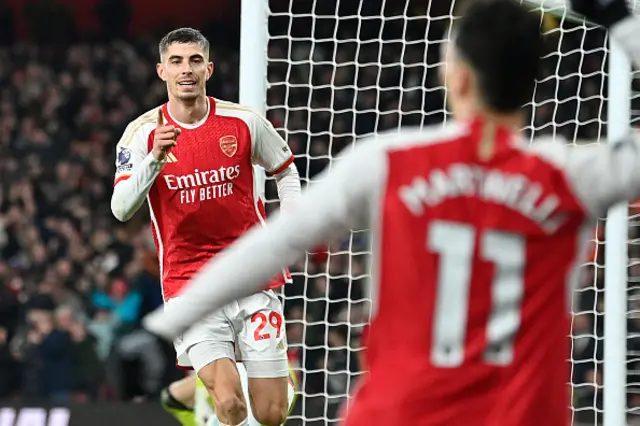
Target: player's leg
(269, 399)
(178, 400)
(208, 347)
(263, 347)
(222, 381)
(213, 420)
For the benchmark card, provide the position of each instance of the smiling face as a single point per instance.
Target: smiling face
(185, 67)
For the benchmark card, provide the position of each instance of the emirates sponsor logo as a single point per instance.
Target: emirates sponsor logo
(203, 185)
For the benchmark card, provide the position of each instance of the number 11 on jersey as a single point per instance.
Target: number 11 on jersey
(455, 243)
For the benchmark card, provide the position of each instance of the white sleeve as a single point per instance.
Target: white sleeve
(338, 202)
(269, 150)
(288, 183)
(603, 175)
(136, 170)
(600, 175)
(627, 33)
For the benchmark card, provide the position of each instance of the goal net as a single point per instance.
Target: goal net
(339, 70)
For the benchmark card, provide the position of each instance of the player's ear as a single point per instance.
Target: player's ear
(161, 72)
(210, 69)
(465, 80)
(458, 79)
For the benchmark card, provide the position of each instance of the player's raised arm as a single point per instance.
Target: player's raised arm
(272, 153)
(136, 168)
(340, 201)
(606, 174)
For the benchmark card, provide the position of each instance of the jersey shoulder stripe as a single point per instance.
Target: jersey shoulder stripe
(149, 117)
(236, 110)
(415, 137)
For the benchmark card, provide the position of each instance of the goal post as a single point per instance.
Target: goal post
(617, 260)
(253, 64)
(329, 72)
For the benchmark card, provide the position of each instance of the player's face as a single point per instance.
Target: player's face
(185, 68)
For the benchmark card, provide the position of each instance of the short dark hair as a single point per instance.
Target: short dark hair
(183, 35)
(503, 43)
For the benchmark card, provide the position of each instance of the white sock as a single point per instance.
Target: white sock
(245, 422)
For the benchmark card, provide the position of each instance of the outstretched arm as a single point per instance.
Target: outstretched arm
(339, 202)
(605, 174)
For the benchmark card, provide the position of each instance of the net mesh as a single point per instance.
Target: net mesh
(339, 70)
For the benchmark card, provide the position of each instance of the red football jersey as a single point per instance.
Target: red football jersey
(475, 270)
(205, 196)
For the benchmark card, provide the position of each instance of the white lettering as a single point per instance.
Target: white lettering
(415, 194)
(187, 196)
(32, 417)
(440, 184)
(7, 416)
(202, 178)
(198, 185)
(170, 182)
(462, 178)
(186, 181)
(59, 417)
(196, 173)
(493, 186)
(213, 178)
(513, 191)
(233, 172)
(548, 206)
(531, 196)
(216, 191)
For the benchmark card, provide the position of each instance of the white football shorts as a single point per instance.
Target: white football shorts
(251, 330)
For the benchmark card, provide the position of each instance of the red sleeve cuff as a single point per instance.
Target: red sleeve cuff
(120, 179)
(283, 166)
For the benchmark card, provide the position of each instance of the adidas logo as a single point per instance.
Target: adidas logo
(171, 158)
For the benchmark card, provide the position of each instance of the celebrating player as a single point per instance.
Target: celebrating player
(192, 159)
(477, 238)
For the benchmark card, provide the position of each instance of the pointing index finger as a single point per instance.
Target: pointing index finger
(160, 117)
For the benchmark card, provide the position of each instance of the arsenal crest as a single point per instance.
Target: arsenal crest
(229, 145)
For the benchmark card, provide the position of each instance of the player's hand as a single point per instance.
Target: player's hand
(602, 12)
(165, 138)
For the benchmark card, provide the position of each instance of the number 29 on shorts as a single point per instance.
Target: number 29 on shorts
(263, 319)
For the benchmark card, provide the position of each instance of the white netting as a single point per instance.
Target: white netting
(342, 69)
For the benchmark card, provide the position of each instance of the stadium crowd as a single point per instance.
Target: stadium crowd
(73, 280)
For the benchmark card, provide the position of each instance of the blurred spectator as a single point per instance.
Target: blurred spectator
(120, 302)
